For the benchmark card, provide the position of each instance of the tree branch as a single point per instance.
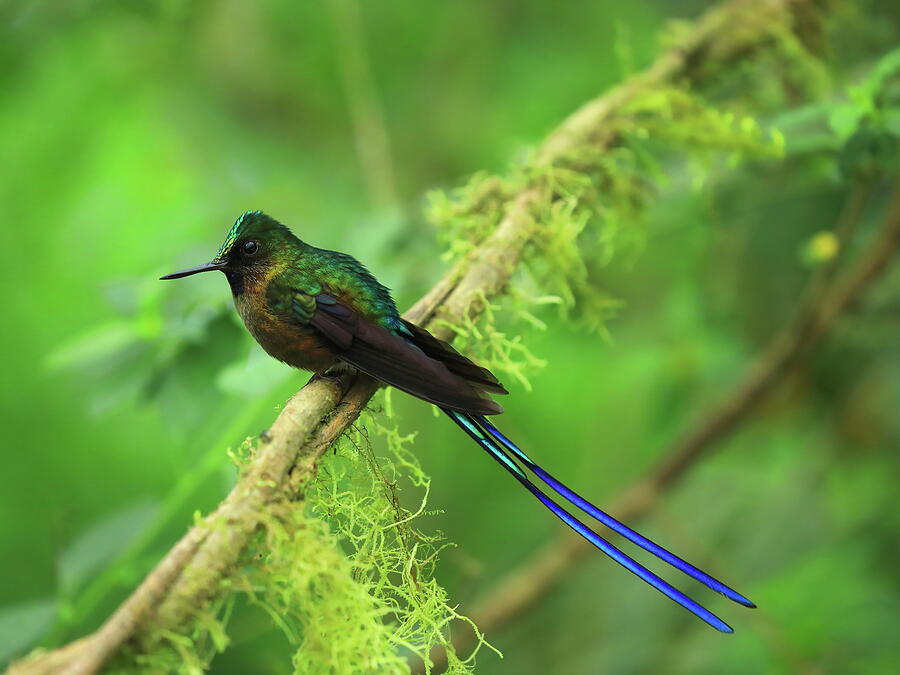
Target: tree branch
(190, 574)
(538, 575)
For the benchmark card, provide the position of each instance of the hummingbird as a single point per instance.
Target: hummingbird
(316, 309)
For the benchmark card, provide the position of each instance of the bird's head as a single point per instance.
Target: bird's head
(255, 243)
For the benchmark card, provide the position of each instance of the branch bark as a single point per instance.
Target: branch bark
(538, 575)
(319, 413)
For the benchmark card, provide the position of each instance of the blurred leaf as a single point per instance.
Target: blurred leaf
(888, 67)
(92, 347)
(21, 625)
(168, 348)
(869, 152)
(869, 122)
(844, 119)
(254, 376)
(97, 545)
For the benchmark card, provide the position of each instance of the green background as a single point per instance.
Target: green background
(132, 134)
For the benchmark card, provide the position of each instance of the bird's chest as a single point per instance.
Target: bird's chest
(298, 346)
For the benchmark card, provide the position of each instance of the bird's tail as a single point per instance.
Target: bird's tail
(508, 455)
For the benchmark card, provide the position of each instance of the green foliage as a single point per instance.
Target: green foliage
(869, 122)
(150, 350)
(133, 134)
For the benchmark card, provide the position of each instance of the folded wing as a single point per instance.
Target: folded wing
(436, 373)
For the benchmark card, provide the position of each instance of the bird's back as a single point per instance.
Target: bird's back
(351, 283)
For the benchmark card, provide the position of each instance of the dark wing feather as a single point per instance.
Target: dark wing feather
(456, 363)
(395, 360)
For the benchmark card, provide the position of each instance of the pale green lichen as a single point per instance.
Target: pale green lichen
(345, 574)
(487, 344)
(386, 553)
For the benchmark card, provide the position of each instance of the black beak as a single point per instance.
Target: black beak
(205, 267)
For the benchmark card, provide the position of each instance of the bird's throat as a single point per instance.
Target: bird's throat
(236, 281)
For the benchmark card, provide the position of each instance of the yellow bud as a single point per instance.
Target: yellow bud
(822, 247)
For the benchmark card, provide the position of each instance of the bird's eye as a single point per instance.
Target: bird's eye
(250, 247)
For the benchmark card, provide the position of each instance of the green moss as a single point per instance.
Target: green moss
(348, 560)
(592, 204)
(385, 562)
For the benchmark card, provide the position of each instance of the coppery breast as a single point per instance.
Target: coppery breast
(298, 346)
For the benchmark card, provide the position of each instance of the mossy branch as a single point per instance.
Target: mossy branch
(190, 575)
(538, 574)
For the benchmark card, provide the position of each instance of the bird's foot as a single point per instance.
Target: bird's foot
(340, 373)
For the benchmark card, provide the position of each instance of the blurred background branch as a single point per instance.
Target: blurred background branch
(369, 127)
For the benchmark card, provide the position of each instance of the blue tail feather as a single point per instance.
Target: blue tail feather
(486, 439)
(611, 522)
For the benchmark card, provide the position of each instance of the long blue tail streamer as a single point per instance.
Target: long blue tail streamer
(493, 441)
(611, 522)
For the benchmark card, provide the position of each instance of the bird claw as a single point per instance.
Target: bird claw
(336, 374)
